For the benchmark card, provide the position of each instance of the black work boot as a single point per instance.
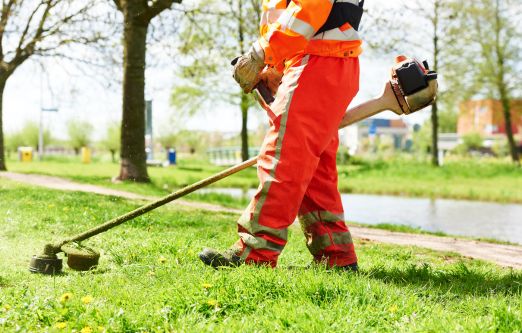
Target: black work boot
(216, 259)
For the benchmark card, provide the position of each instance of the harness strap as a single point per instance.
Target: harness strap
(343, 12)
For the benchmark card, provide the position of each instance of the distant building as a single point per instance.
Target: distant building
(392, 130)
(487, 118)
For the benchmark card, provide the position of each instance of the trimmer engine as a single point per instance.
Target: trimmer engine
(414, 85)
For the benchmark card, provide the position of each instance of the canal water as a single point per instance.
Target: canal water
(453, 217)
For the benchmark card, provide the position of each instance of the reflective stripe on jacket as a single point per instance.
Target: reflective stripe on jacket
(288, 31)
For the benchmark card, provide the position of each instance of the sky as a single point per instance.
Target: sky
(82, 96)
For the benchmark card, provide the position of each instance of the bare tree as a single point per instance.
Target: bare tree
(39, 28)
(137, 16)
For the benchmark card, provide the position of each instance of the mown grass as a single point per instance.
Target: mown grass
(486, 180)
(150, 279)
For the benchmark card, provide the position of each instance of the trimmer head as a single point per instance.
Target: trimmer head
(46, 264)
(79, 258)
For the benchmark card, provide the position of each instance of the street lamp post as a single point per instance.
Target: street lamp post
(41, 131)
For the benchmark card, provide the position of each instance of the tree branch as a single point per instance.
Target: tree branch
(55, 28)
(155, 9)
(39, 32)
(118, 5)
(205, 12)
(22, 53)
(4, 18)
(30, 21)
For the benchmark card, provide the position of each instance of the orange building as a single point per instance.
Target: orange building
(487, 118)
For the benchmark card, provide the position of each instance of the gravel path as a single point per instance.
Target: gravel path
(57, 183)
(503, 255)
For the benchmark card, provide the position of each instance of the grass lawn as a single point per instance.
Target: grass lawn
(150, 279)
(486, 180)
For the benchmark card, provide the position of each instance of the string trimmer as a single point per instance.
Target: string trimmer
(411, 88)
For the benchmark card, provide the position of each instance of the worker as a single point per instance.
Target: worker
(315, 44)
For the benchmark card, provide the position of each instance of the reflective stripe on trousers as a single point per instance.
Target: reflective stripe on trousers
(296, 165)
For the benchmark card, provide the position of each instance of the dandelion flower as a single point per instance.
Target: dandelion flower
(101, 329)
(86, 329)
(87, 299)
(6, 307)
(162, 260)
(393, 308)
(212, 302)
(60, 325)
(65, 297)
(207, 285)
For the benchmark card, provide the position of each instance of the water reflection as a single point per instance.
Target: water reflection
(455, 217)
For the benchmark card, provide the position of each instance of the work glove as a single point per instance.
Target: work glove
(272, 79)
(248, 67)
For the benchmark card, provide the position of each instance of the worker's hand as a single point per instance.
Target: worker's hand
(272, 79)
(248, 67)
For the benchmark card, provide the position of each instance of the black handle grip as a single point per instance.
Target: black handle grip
(265, 92)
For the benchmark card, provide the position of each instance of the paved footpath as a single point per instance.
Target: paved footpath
(503, 255)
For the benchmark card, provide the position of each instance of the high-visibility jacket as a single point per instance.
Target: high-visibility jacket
(289, 29)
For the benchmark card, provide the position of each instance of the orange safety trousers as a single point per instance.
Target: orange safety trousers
(297, 165)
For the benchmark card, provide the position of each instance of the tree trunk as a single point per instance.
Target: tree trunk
(244, 98)
(501, 85)
(435, 108)
(133, 156)
(435, 134)
(2, 152)
(509, 126)
(244, 128)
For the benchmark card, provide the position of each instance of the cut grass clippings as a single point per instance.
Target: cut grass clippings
(150, 278)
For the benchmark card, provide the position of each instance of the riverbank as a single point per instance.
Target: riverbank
(477, 219)
(154, 281)
(469, 179)
(487, 180)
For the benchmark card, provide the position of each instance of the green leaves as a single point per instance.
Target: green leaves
(213, 33)
(27, 136)
(80, 133)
